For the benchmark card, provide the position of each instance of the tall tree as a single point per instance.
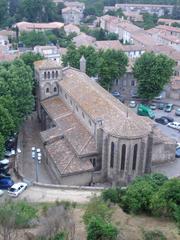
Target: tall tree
(73, 58)
(2, 142)
(176, 10)
(112, 65)
(152, 72)
(7, 124)
(3, 12)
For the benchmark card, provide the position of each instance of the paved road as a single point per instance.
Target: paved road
(38, 194)
(32, 139)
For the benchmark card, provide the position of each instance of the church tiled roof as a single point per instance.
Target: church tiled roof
(46, 64)
(117, 119)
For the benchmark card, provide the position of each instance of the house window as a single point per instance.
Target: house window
(45, 75)
(93, 161)
(56, 74)
(83, 115)
(53, 74)
(47, 90)
(123, 156)
(117, 81)
(135, 157)
(48, 75)
(112, 155)
(132, 83)
(55, 89)
(90, 122)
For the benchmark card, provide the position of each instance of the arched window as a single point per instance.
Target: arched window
(56, 74)
(135, 157)
(48, 74)
(47, 90)
(112, 156)
(123, 156)
(52, 74)
(83, 115)
(55, 89)
(45, 75)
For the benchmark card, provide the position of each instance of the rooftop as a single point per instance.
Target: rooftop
(46, 64)
(113, 44)
(117, 119)
(168, 28)
(25, 26)
(67, 124)
(70, 9)
(142, 5)
(83, 39)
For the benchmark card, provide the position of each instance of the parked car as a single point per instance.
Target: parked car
(9, 153)
(178, 152)
(6, 183)
(160, 106)
(132, 104)
(1, 193)
(170, 119)
(4, 162)
(159, 97)
(116, 94)
(17, 188)
(5, 175)
(177, 112)
(162, 121)
(174, 125)
(168, 107)
(153, 106)
(144, 110)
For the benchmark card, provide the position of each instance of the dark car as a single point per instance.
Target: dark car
(5, 183)
(160, 106)
(161, 120)
(178, 152)
(116, 94)
(170, 119)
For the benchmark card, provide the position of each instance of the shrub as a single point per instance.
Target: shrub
(167, 199)
(153, 235)
(97, 208)
(137, 197)
(97, 229)
(111, 195)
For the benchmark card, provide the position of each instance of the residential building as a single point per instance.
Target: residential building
(134, 17)
(174, 31)
(83, 40)
(88, 135)
(48, 52)
(167, 22)
(78, 5)
(72, 15)
(160, 10)
(71, 28)
(28, 26)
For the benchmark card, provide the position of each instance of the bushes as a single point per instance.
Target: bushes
(153, 194)
(97, 218)
(98, 229)
(153, 235)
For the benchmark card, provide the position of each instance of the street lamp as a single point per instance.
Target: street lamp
(37, 156)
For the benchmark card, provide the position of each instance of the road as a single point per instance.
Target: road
(40, 194)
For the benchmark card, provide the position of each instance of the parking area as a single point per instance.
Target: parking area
(170, 132)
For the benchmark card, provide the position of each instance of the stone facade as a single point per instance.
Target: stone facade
(87, 134)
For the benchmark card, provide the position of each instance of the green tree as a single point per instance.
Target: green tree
(176, 10)
(7, 124)
(38, 11)
(3, 12)
(29, 58)
(112, 65)
(97, 229)
(73, 58)
(33, 38)
(2, 142)
(166, 201)
(152, 72)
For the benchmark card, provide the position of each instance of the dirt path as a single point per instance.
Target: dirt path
(39, 194)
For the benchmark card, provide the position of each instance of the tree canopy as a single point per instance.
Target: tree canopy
(107, 65)
(152, 72)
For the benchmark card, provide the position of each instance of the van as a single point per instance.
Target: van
(144, 110)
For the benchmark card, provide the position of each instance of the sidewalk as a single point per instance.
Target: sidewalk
(31, 139)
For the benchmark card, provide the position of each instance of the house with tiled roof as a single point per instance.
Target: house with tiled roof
(71, 28)
(83, 40)
(88, 135)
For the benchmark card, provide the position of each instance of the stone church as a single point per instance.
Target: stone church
(88, 135)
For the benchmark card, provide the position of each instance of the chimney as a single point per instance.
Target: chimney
(83, 64)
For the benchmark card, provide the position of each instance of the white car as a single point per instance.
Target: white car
(17, 188)
(1, 192)
(174, 125)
